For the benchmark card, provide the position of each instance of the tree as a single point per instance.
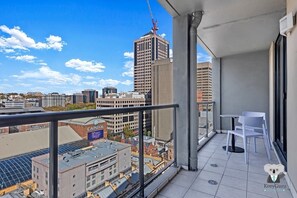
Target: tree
(128, 132)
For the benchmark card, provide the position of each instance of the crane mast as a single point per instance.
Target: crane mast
(154, 22)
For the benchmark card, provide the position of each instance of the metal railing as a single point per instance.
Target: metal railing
(206, 121)
(54, 117)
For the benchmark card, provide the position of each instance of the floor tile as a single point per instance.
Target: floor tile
(236, 173)
(183, 180)
(211, 168)
(259, 178)
(206, 175)
(203, 186)
(173, 191)
(234, 182)
(196, 194)
(259, 189)
(229, 192)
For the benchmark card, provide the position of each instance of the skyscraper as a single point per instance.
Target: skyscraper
(147, 49)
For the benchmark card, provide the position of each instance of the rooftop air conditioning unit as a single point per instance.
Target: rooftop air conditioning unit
(287, 23)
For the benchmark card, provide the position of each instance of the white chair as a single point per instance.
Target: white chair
(247, 131)
(258, 114)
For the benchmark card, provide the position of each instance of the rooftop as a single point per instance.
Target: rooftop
(24, 142)
(84, 121)
(97, 152)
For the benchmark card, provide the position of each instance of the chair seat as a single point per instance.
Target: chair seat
(248, 133)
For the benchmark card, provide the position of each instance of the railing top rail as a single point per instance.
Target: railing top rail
(206, 102)
(11, 120)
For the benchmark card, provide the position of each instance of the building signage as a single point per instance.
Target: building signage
(95, 135)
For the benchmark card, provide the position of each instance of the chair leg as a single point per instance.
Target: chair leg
(255, 145)
(227, 143)
(245, 149)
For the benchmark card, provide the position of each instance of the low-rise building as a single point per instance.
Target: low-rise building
(85, 169)
(53, 99)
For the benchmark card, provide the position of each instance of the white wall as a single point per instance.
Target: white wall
(244, 81)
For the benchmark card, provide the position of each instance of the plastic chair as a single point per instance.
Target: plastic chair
(247, 130)
(258, 114)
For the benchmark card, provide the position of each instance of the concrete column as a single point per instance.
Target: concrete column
(184, 87)
(216, 91)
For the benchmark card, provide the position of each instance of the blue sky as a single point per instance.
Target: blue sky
(70, 45)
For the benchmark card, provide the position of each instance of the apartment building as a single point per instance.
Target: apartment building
(78, 98)
(117, 122)
(84, 170)
(204, 80)
(53, 99)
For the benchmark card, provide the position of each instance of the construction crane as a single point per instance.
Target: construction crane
(155, 27)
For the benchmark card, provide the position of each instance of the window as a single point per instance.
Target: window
(115, 170)
(93, 176)
(102, 177)
(110, 168)
(88, 178)
(33, 168)
(73, 185)
(93, 182)
(110, 173)
(113, 159)
(88, 185)
(37, 177)
(46, 174)
(46, 182)
(103, 163)
(37, 170)
(73, 176)
(93, 167)
(73, 194)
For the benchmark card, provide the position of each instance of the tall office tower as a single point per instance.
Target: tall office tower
(90, 95)
(147, 49)
(108, 90)
(204, 80)
(162, 90)
(78, 98)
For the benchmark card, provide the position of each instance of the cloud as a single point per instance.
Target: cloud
(163, 35)
(89, 77)
(201, 57)
(85, 66)
(19, 40)
(25, 58)
(129, 55)
(127, 82)
(47, 75)
(129, 65)
(108, 82)
(90, 83)
(7, 51)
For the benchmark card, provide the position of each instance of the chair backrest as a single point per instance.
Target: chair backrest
(251, 122)
(256, 114)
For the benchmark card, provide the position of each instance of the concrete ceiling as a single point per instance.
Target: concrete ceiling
(232, 26)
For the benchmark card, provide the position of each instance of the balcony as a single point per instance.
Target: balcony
(226, 176)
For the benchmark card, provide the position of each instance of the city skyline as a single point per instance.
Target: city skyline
(69, 46)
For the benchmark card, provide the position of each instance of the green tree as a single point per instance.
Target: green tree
(128, 132)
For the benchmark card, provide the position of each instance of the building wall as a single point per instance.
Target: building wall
(71, 183)
(117, 122)
(124, 162)
(82, 130)
(244, 84)
(291, 97)
(204, 80)
(162, 125)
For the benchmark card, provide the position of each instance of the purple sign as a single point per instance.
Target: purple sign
(95, 135)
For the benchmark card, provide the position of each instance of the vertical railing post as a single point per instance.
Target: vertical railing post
(53, 160)
(141, 153)
(206, 135)
(213, 118)
(174, 137)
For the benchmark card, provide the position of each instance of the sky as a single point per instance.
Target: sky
(71, 45)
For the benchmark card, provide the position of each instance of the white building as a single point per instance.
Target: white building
(85, 169)
(53, 99)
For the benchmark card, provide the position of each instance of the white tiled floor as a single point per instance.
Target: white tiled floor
(234, 178)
